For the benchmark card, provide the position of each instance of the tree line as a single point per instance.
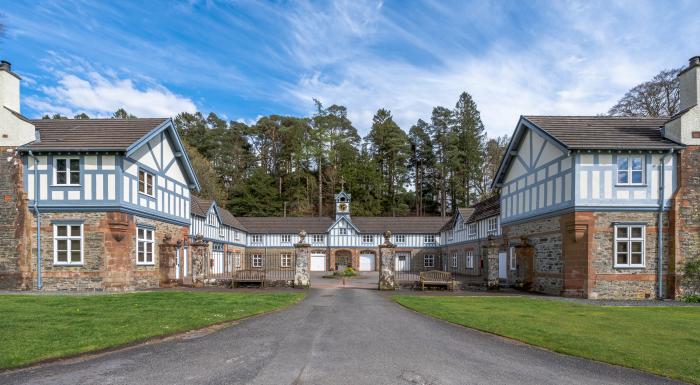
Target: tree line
(287, 165)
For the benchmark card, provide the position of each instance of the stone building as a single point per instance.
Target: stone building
(88, 204)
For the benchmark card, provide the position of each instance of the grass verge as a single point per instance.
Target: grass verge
(661, 340)
(35, 328)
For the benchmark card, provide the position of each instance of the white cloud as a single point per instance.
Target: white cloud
(100, 95)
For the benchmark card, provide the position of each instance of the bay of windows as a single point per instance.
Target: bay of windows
(629, 245)
(67, 171)
(630, 169)
(68, 244)
(144, 246)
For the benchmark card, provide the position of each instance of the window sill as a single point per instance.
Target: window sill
(147, 195)
(64, 264)
(625, 267)
(66, 185)
(145, 264)
(631, 185)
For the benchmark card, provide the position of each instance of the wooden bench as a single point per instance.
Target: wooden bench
(436, 278)
(248, 276)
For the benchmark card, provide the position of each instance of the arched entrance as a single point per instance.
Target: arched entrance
(367, 261)
(343, 259)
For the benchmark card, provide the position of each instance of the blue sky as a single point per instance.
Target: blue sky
(244, 59)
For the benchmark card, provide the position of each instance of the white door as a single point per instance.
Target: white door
(366, 262)
(177, 263)
(402, 262)
(318, 262)
(502, 261)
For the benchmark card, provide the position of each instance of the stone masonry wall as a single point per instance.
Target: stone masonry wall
(15, 233)
(685, 218)
(545, 236)
(109, 253)
(625, 283)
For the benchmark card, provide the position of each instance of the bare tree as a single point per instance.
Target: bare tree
(655, 98)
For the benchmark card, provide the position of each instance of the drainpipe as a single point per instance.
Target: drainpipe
(38, 221)
(659, 226)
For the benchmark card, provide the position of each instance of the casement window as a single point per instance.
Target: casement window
(286, 238)
(256, 238)
(454, 260)
(428, 239)
(513, 264)
(400, 238)
(450, 235)
(68, 244)
(146, 183)
(470, 259)
(428, 260)
(237, 260)
(318, 238)
(236, 236)
(257, 260)
(368, 239)
(144, 246)
(343, 231)
(630, 169)
(286, 260)
(66, 171)
(217, 247)
(629, 245)
(492, 225)
(471, 229)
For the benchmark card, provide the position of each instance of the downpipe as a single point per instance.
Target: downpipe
(659, 227)
(39, 283)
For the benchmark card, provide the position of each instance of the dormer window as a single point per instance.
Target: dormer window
(67, 171)
(630, 169)
(146, 183)
(211, 218)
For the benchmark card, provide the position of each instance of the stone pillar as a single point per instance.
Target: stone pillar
(525, 253)
(387, 260)
(490, 255)
(198, 255)
(166, 259)
(303, 256)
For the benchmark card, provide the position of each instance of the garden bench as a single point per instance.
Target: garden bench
(249, 276)
(436, 278)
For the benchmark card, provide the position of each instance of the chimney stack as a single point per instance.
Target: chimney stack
(684, 127)
(15, 129)
(690, 84)
(5, 66)
(9, 86)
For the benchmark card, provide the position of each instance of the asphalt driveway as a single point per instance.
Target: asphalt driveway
(334, 336)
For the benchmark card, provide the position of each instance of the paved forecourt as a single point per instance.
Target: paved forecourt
(334, 336)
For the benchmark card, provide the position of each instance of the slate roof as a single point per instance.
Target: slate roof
(200, 207)
(605, 132)
(489, 207)
(90, 134)
(367, 225)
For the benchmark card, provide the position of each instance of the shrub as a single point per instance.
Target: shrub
(349, 272)
(691, 280)
(692, 298)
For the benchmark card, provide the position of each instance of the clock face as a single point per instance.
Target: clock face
(343, 207)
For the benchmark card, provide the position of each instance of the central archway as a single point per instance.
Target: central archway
(343, 259)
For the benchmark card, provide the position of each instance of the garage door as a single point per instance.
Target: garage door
(318, 262)
(366, 262)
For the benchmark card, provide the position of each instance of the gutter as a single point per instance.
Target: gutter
(38, 220)
(659, 226)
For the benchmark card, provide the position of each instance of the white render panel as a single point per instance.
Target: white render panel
(111, 187)
(30, 186)
(583, 189)
(90, 162)
(127, 188)
(108, 162)
(99, 187)
(88, 186)
(607, 184)
(43, 186)
(595, 184)
(57, 195)
(131, 168)
(74, 195)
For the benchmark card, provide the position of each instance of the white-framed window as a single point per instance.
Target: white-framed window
(286, 260)
(368, 238)
(470, 259)
(454, 260)
(400, 238)
(429, 238)
(492, 225)
(450, 235)
(318, 238)
(144, 246)
(428, 260)
(256, 238)
(211, 218)
(68, 244)
(630, 169)
(513, 264)
(237, 260)
(236, 235)
(471, 229)
(66, 171)
(217, 247)
(286, 238)
(256, 260)
(343, 231)
(629, 245)
(146, 182)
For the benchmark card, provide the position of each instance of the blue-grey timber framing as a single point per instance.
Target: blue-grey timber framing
(587, 206)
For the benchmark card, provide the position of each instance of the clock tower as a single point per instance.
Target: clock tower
(342, 204)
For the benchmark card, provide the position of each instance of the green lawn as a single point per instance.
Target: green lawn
(34, 327)
(662, 340)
